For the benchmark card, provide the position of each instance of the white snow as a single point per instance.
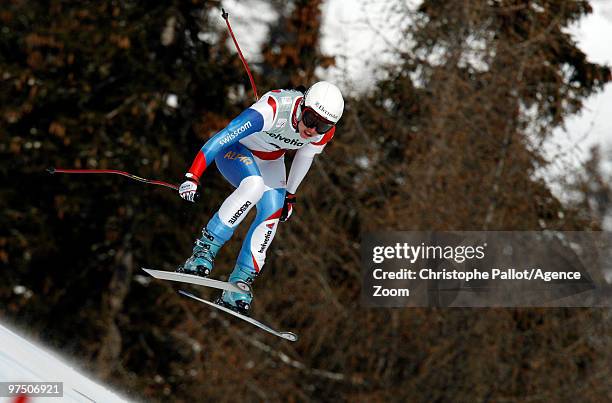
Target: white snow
(24, 361)
(593, 35)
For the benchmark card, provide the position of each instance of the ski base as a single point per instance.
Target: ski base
(285, 335)
(196, 280)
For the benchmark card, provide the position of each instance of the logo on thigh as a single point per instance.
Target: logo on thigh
(240, 211)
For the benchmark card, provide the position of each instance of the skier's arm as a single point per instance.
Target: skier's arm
(299, 168)
(303, 160)
(260, 116)
(248, 122)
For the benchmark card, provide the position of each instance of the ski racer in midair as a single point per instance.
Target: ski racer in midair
(249, 153)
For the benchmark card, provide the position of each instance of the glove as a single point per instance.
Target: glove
(189, 190)
(290, 200)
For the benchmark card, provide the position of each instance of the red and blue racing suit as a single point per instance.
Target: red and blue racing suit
(249, 153)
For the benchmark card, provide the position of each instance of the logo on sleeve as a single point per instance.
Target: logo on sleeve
(235, 133)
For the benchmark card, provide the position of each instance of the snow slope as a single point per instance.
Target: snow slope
(23, 361)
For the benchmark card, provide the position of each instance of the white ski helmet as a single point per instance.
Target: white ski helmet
(326, 100)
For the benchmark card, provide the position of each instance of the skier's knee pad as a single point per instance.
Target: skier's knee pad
(252, 188)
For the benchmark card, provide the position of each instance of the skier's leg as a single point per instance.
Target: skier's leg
(261, 233)
(238, 166)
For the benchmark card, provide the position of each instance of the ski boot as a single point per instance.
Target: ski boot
(243, 278)
(202, 260)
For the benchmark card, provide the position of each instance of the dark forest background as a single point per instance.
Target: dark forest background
(450, 139)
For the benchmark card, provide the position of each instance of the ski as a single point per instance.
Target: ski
(285, 335)
(197, 280)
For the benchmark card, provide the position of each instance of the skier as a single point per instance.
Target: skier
(249, 153)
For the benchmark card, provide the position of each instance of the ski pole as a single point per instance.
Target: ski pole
(225, 16)
(111, 171)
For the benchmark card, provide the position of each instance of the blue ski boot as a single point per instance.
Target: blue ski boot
(242, 277)
(202, 260)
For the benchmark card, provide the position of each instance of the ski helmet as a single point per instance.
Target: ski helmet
(325, 99)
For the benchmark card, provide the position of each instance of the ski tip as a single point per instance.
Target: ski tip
(149, 272)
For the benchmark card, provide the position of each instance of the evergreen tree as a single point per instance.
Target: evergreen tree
(450, 140)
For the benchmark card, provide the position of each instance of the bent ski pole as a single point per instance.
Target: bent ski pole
(111, 171)
(225, 16)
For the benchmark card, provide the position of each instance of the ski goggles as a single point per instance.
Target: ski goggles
(312, 120)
